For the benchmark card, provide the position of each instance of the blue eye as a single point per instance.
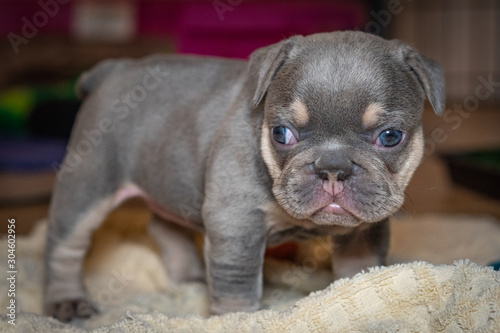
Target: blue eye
(284, 135)
(389, 138)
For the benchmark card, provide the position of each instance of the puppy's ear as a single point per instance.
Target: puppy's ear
(89, 80)
(264, 64)
(430, 75)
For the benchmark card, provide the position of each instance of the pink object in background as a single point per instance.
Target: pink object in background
(229, 28)
(236, 31)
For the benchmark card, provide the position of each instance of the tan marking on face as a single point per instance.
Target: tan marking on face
(371, 115)
(267, 153)
(300, 113)
(413, 160)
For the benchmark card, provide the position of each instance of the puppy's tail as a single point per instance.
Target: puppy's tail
(91, 79)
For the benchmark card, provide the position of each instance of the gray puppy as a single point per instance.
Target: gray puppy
(315, 135)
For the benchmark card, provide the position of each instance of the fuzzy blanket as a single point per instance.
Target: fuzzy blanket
(443, 294)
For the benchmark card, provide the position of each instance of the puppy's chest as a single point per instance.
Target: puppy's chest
(282, 228)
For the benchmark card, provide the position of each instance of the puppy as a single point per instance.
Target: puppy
(315, 135)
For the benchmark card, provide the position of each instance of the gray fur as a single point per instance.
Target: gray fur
(186, 132)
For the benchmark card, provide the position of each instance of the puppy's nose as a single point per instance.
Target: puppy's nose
(333, 165)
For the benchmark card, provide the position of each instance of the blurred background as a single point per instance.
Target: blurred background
(46, 44)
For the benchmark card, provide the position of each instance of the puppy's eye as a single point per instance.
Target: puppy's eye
(284, 135)
(389, 138)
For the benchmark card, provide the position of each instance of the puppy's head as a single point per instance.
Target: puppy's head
(341, 133)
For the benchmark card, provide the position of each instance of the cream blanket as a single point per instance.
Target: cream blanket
(135, 294)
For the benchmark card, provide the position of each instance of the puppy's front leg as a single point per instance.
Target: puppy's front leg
(234, 256)
(360, 249)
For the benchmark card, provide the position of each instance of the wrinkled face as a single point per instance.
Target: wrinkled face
(342, 136)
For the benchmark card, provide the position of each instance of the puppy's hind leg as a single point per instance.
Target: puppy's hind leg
(178, 249)
(77, 209)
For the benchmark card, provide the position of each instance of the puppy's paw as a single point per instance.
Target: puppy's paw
(223, 306)
(68, 310)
